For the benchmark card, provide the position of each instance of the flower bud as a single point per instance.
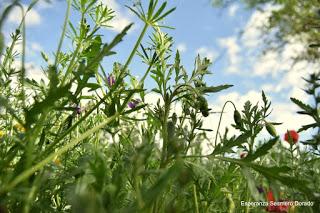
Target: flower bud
(237, 118)
(291, 136)
(133, 104)
(203, 106)
(272, 131)
(111, 80)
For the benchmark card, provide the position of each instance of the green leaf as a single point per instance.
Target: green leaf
(226, 146)
(162, 183)
(162, 7)
(164, 15)
(263, 150)
(307, 108)
(93, 86)
(275, 173)
(215, 89)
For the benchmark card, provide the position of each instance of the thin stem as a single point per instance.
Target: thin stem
(75, 54)
(133, 52)
(164, 135)
(220, 119)
(66, 19)
(23, 58)
(195, 198)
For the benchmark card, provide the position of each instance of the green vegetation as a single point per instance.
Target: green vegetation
(117, 153)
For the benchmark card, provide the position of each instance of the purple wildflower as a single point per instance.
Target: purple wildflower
(260, 189)
(111, 80)
(78, 110)
(132, 104)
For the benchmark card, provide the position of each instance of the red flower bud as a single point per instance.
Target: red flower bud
(291, 136)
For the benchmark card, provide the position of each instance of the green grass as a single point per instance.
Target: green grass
(117, 154)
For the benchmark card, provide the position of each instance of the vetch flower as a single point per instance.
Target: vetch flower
(291, 136)
(111, 80)
(133, 104)
(78, 110)
(260, 189)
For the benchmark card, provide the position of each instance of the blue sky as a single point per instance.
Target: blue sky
(199, 28)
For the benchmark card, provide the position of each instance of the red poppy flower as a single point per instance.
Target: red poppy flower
(273, 208)
(279, 209)
(270, 196)
(283, 208)
(291, 136)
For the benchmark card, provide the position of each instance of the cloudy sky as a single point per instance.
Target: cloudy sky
(199, 29)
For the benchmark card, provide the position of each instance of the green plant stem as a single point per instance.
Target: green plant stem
(195, 198)
(66, 19)
(74, 56)
(164, 136)
(220, 119)
(27, 173)
(23, 58)
(69, 69)
(134, 50)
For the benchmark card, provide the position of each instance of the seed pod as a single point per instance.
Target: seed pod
(171, 130)
(272, 131)
(205, 113)
(174, 118)
(203, 106)
(237, 118)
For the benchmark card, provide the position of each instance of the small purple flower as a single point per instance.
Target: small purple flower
(132, 104)
(260, 189)
(78, 110)
(111, 80)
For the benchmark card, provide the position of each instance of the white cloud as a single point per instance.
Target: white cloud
(286, 72)
(286, 113)
(42, 5)
(32, 48)
(232, 10)
(253, 30)
(35, 72)
(268, 64)
(182, 47)
(206, 52)
(36, 47)
(233, 50)
(32, 17)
